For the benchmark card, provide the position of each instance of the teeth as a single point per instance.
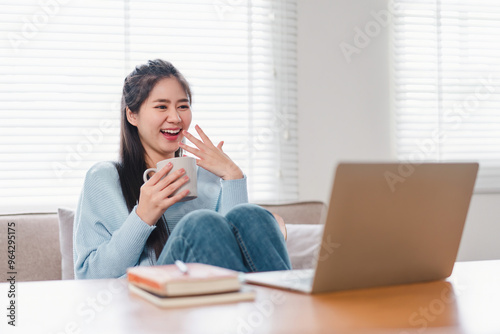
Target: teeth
(173, 132)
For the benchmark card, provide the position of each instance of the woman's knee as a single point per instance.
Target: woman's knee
(251, 214)
(199, 221)
(248, 209)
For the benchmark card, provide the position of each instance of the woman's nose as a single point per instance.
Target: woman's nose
(173, 116)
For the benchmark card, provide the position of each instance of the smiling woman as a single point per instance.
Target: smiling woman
(121, 223)
(162, 115)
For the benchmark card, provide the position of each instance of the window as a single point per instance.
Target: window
(61, 73)
(446, 58)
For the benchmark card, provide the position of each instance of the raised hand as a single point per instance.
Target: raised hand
(211, 157)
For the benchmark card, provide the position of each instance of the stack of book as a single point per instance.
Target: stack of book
(181, 285)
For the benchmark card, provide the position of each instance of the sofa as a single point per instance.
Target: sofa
(43, 242)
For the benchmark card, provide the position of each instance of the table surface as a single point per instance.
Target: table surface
(467, 302)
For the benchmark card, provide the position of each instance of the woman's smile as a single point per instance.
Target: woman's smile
(171, 134)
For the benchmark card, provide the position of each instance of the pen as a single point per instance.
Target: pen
(182, 266)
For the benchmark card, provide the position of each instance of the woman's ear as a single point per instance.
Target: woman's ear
(131, 117)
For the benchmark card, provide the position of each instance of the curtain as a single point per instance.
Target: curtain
(446, 75)
(62, 65)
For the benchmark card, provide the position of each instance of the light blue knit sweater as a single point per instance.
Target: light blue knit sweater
(108, 239)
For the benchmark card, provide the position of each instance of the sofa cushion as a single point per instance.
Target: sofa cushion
(303, 244)
(66, 217)
(303, 223)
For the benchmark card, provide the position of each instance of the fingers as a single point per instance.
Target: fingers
(190, 149)
(167, 183)
(194, 140)
(160, 174)
(203, 136)
(169, 191)
(204, 144)
(175, 178)
(167, 187)
(157, 194)
(152, 204)
(211, 157)
(177, 197)
(203, 147)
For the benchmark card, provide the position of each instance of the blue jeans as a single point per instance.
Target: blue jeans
(246, 239)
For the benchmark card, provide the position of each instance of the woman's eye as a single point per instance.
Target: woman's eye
(184, 107)
(161, 107)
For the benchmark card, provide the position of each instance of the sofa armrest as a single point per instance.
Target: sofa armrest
(311, 212)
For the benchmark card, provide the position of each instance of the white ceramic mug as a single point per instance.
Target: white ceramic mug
(189, 165)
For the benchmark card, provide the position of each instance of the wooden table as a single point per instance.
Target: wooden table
(468, 302)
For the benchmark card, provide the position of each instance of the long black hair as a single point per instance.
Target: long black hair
(132, 162)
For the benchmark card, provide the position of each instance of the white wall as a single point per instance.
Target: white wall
(345, 111)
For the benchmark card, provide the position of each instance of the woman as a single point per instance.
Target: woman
(123, 222)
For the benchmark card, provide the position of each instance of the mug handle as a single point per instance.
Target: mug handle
(146, 172)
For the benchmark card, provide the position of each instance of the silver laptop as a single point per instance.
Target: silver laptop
(386, 224)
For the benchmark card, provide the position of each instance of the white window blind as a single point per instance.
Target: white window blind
(446, 66)
(62, 65)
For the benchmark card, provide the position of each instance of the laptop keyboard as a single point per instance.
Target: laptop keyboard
(302, 281)
(290, 279)
(299, 277)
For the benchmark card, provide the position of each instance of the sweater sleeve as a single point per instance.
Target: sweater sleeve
(233, 192)
(107, 238)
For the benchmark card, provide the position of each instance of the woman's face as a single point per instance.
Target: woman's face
(161, 119)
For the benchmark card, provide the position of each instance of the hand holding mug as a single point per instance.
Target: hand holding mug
(174, 181)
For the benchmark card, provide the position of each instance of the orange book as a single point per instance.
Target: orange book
(169, 280)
